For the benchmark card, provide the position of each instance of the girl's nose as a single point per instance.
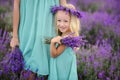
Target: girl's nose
(61, 24)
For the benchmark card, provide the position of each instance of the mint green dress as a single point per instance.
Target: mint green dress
(63, 67)
(36, 23)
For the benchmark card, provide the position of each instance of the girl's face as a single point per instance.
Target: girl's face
(63, 21)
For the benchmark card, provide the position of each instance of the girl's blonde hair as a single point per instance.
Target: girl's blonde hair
(74, 22)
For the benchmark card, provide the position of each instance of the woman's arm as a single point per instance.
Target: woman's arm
(16, 18)
(16, 11)
(56, 51)
(63, 2)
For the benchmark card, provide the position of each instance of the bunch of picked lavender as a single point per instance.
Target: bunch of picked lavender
(70, 41)
(73, 41)
(12, 62)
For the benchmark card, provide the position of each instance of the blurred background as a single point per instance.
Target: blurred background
(99, 59)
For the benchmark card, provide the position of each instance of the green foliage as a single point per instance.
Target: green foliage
(5, 18)
(2, 9)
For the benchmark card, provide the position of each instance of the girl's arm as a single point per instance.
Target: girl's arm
(63, 2)
(14, 40)
(56, 51)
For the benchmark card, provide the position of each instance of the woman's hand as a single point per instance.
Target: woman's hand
(14, 42)
(56, 39)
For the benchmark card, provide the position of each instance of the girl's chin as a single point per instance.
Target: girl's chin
(63, 31)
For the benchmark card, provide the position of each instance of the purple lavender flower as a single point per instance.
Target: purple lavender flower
(4, 40)
(25, 74)
(107, 78)
(101, 75)
(1, 72)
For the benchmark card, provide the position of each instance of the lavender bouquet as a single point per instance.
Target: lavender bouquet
(12, 64)
(73, 41)
(70, 41)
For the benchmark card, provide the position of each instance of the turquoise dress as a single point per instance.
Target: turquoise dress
(64, 66)
(36, 23)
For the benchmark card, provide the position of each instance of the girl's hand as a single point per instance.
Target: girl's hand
(56, 39)
(14, 42)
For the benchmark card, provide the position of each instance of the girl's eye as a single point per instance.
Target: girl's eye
(65, 21)
(58, 20)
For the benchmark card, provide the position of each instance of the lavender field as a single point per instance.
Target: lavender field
(99, 59)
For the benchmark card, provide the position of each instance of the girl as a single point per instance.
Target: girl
(63, 59)
(30, 20)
